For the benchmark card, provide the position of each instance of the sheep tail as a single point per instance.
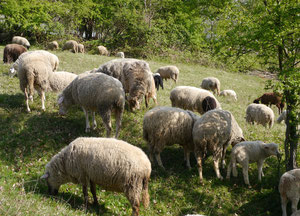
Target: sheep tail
(145, 194)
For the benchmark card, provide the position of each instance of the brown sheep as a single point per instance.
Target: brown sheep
(271, 98)
(12, 52)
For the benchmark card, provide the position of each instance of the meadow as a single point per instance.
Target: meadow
(29, 140)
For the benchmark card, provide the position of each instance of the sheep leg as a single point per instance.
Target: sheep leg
(85, 195)
(294, 204)
(93, 190)
(87, 122)
(229, 170)
(234, 169)
(259, 167)
(216, 167)
(187, 158)
(134, 199)
(146, 100)
(284, 202)
(199, 164)
(94, 121)
(107, 122)
(43, 100)
(27, 101)
(223, 157)
(158, 159)
(245, 173)
(118, 122)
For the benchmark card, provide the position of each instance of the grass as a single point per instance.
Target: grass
(29, 140)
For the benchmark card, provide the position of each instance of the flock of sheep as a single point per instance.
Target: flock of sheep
(119, 166)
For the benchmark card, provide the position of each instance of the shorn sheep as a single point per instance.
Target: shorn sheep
(80, 48)
(71, 45)
(95, 92)
(261, 114)
(102, 50)
(212, 134)
(211, 83)
(112, 164)
(169, 72)
(21, 40)
(158, 81)
(53, 45)
(271, 98)
(164, 126)
(120, 55)
(250, 152)
(289, 189)
(12, 52)
(229, 93)
(191, 98)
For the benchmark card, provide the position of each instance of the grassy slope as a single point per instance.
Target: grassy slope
(28, 141)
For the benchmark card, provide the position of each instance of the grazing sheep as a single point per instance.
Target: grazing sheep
(112, 164)
(211, 83)
(271, 98)
(21, 40)
(120, 55)
(163, 126)
(53, 45)
(229, 93)
(289, 189)
(102, 50)
(168, 72)
(58, 81)
(80, 48)
(95, 92)
(261, 114)
(71, 45)
(151, 91)
(212, 134)
(12, 52)
(209, 103)
(282, 117)
(158, 81)
(250, 152)
(191, 98)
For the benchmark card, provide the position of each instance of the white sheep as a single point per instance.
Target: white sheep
(250, 152)
(191, 98)
(80, 48)
(213, 132)
(282, 117)
(289, 188)
(164, 126)
(120, 55)
(112, 164)
(168, 72)
(261, 114)
(102, 50)
(95, 92)
(211, 83)
(229, 93)
(53, 45)
(21, 40)
(71, 45)
(59, 80)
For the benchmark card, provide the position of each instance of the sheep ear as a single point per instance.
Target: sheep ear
(60, 99)
(45, 176)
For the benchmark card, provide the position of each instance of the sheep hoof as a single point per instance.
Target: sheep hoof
(87, 130)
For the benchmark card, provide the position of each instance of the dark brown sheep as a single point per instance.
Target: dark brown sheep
(12, 52)
(209, 103)
(271, 98)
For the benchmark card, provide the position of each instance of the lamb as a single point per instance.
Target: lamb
(282, 117)
(163, 126)
(250, 152)
(261, 114)
(229, 93)
(80, 48)
(95, 92)
(71, 45)
(213, 133)
(120, 55)
(289, 189)
(21, 40)
(158, 81)
(168, 72)
(211, 83)
(53, 45)
(12, 52)
(112, 164)
(102, 50)
(271, 98)
(191, 98)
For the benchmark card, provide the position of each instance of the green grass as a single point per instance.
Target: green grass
(29, 140)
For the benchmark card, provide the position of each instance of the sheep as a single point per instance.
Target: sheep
(71, 45)
(289, 189)
(164, 126)
(250, 152)
(21, 40)
(151, 91)
(261, 114)
(282, 117)
(271, 98)
(297, 213)
(53, 45)
(213, 132)
(191, 98)
(12, 52)
(135, 76)
(158, 81)
(112, 164)
(120, 55)
(102, 50)
(95, 92)
(209, 103)
(80, 48)
(211, 83)
(229, 93)
(59, 80)
(169, 72)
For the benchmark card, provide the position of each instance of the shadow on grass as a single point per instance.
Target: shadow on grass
(12, 101)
